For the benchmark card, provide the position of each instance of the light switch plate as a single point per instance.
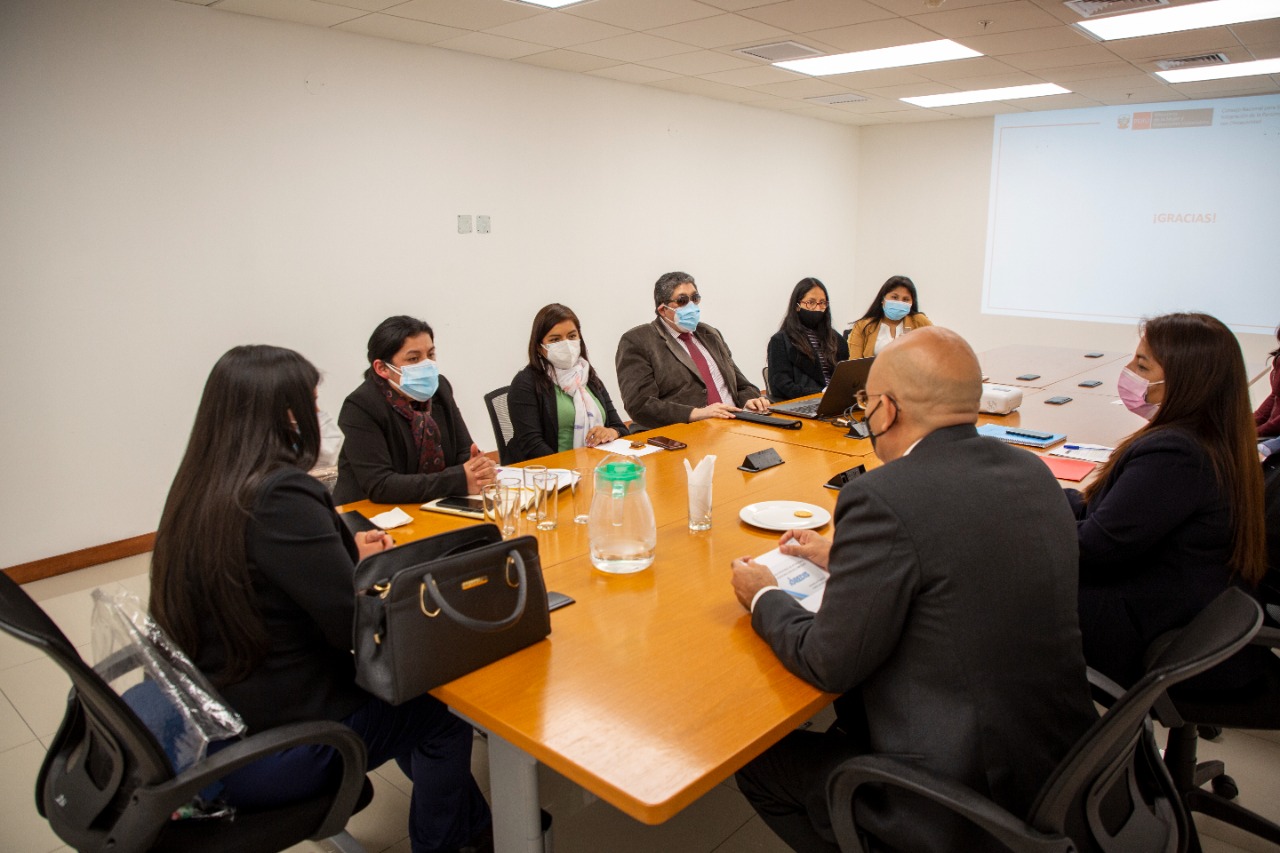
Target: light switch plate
(464, 223)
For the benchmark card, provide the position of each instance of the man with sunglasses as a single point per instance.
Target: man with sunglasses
(948, 621)
(678, 369)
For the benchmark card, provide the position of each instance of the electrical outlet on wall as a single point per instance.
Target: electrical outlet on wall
(464, 223)
(482, 223)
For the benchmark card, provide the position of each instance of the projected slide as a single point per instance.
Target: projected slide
(1115, 213)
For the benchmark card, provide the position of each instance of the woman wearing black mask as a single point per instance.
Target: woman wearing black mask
(805, 349)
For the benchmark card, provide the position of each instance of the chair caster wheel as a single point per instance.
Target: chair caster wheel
(1225, 787)
(1209, 732)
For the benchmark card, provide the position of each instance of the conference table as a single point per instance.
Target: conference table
(653, 688)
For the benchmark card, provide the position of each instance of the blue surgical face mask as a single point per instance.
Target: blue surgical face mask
(688, 316)
(895, 311)
(418, 381)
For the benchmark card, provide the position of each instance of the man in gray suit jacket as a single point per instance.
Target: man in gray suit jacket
(678, 369)
(948, 621)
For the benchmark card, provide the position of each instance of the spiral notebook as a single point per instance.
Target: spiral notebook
(1015, 435)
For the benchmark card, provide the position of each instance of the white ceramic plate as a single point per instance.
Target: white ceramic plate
(781, 515)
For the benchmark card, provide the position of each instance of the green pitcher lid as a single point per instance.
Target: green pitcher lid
(620, 471)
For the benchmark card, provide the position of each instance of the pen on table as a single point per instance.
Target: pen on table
(1070, 447)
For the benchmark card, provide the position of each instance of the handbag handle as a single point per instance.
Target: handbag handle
(433, 590)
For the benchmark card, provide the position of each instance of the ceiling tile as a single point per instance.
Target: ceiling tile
(633, 74)
(366, 5)
(634, 47)
(698, 86)
(914, 90)
(1057, 102)
(298, 11)
(643, 15)
(464, 14)
(1068, 74)
(801, 89)
(758, 76)
(738, 5)
(995, 81)
(1083, 55)
(1144, 96)
(1000, 18)
(772, 103)
(1258, 32)
(1194, 43)
(487, 45)
(917, 7)
(1024, 41)
(1110, 85)
(555, 29)
(991, 108)
(700, 62)
(1227, 88)
(962, 68)
(400, 29)
(802, 16)
(720, 31)
(874, 35)
(884, 77)
(567, 60)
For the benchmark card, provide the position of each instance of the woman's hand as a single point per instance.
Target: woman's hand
(600, 435)
(372, 541)
(805, 543)
(480, 471)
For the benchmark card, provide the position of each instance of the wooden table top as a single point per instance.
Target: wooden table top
(1003, 365)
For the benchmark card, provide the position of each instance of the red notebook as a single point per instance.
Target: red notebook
(1074, 470)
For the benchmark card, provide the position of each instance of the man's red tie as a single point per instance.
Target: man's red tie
(713, 396)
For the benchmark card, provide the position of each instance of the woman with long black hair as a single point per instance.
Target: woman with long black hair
(805, 350)
(252, 577)
(896, 309)
(1175, 516)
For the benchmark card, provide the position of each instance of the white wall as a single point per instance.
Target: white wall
(178, 180)
(922, 212)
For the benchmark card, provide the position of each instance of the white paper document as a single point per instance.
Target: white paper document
(1098, 453)
(798, 577)
(622, 447)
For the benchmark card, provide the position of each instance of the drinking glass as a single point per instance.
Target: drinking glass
(546, 486)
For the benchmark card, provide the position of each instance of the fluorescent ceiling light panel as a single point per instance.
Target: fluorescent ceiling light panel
(886, 57)
(1009, 93)
(1176, 19)
(1221, 72)
(552, 4)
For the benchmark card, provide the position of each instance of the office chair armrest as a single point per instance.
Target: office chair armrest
(156, 802)
(1269, 637)
(1014, 833)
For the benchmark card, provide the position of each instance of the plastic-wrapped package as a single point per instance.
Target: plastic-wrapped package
(158, 680)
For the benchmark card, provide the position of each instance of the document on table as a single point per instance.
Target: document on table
(622, 447)
(798, 577)
(1098, 453)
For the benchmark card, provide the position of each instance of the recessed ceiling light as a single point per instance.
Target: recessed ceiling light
(886, 57)
(1176, 19)
(1221, 72)
(552, 4)
(1009, 93)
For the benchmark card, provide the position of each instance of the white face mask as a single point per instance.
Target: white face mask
(563, 354)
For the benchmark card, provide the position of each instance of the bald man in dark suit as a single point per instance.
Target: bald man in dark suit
(948, 622)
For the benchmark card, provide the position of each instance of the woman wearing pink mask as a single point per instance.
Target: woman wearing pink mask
(1175, 516)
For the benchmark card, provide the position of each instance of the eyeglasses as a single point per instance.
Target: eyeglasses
(814, 304)
(685, 299)
(861, 398)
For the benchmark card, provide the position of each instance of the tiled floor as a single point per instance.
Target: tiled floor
(33, 690)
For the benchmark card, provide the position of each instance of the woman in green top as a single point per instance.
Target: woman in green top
(557, 402)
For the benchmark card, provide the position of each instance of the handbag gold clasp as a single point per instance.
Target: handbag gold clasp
(382, 589)
(422, 602)
(514, 584)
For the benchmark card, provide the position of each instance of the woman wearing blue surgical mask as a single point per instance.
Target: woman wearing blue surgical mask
(406, 441)
(557, 401)
(896, 309)
(1175, 516)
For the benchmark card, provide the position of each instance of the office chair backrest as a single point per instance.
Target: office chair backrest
(102, 751)
(1111, 792)
(496, 402)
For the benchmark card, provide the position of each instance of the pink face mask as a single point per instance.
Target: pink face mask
(1133, 393)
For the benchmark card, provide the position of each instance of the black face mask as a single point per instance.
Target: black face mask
(871, 434)
(811, 319)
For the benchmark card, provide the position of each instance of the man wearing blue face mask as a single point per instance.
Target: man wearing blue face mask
(406, 441)
(678, 369)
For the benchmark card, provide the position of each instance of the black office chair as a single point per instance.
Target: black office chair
(1110, 793)
(764, 374)
(106, 784)
(496, 402)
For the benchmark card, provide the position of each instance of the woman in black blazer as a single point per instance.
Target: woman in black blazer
(251, 576)
(805, 350)
(405, 440)
(557, 401)
(1175, 516)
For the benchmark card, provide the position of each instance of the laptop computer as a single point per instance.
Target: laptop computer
(847, 379)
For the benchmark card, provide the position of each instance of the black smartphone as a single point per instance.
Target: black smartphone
(1091, 383)
(1058, 401)
(1027, 377)
(839, 480)
(667, 443)
(556, 600)
(1094, 354)
(457, 505)
(1030, 433)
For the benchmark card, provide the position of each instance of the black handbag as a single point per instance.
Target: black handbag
(432, 610)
